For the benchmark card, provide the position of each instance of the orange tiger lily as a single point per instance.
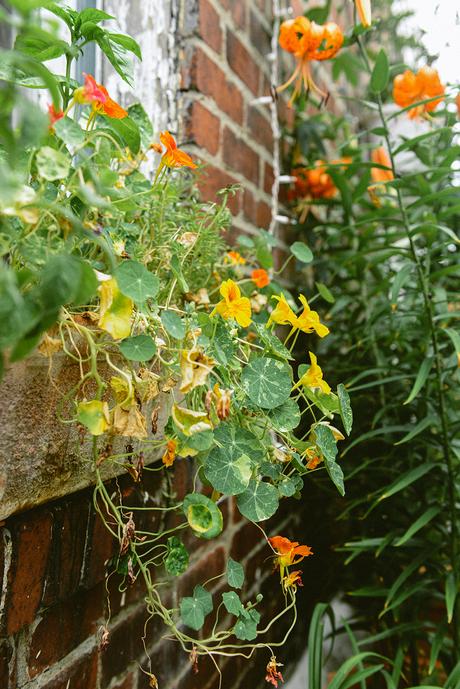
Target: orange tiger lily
(307, 41)
(381, 157)
(364, 12)
(409, 88)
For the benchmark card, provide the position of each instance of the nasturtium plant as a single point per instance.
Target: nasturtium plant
(184, 347)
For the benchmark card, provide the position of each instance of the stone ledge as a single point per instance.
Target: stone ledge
(42, 458)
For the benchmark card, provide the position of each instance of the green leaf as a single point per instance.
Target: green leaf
(136, 282)
(259, 501)
(301, 252)
(336, 475)
(126, 130)
(140, 117)
(287, 487)
(176, 561)
(419, 428)
(455, 339)
(138, 348)
(232, 603)
(407, 479)
(235, 574)
(178, 274)
(326, 442)
(69, 131)
(228, 466)
(67, 280)
(246, 627)
(91, 14)
(421, 378)
(193, 609)
(285, 417)
(173, 324)
(272, 342)
(346, 412)
(126, 42)
(424, 518)
(451, 595)
(203, 515)
(380, 73)
(52, 164)
(437, 645)
(325, 292)
(267, 382)
(400, 280)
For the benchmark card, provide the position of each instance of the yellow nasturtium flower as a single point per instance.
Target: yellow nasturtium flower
(116, 310)
(233, 305)
(308, 321)
(313, 378)
(282, 313)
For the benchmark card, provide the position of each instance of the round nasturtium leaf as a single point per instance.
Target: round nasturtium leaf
(176, 560)
(228, 467)
(173, 324)
(302, 252)
(286, 417)
(267, 382)
(138, 348)
(203, 515)
(136, 282)
(259, 501)
(52, 164)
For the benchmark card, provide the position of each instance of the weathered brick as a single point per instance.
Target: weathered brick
(63, 627)
(209, 25)
(263, 215)
(207, 567)
(242, 63)
(260, 127)
(213, 180)
(81, 675)
(245, 539)
(127, 683)
(7, 669)
(237, 10)
(257, 212)
(259, 35)
(125, 645)
(205, 76)
(240, 157)
(100, 548)
(203, 128)
(269, 179)
(31, 546)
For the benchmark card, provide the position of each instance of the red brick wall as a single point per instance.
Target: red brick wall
(225, 69)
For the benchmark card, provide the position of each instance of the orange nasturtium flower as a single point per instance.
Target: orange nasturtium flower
(170, 453)
(308, 41)
(233, 305)
(97, 95)
(54, 115)
(236, 258)
(381, 157)
(288, 552)
(173, 157)
(260, 278)
(293, 580)
(313, 378)
(364, 12)
(411, 88)
(273, 675)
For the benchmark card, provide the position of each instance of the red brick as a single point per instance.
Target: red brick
(127, 683)
(245, 540)
(237, 10)
(203, 128)
(260, 37)
(63, 627)
(268, 178)
(207, 77)
(101, 547)
(213, 180)
(260, 128)
(70, 519)
(82, 675)
(263, 215)
(257, 212)
(31, 547)
(210, 30)
(242, 63)
(240, 157)
(210, 565)
(125, 644)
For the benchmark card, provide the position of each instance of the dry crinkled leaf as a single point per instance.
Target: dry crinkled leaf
(129, 422)
(116, 310)
(195, 367)
(49, 345)
(190, 421)
(187, 238)
(258, 302)
(146, 384)
(168, 385)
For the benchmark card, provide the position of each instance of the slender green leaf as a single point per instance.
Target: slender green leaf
(381, 73)
(421, 379)
(424, 519)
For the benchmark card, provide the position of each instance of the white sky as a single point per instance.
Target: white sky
(441, 21)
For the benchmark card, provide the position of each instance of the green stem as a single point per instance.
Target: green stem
(424, 286)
